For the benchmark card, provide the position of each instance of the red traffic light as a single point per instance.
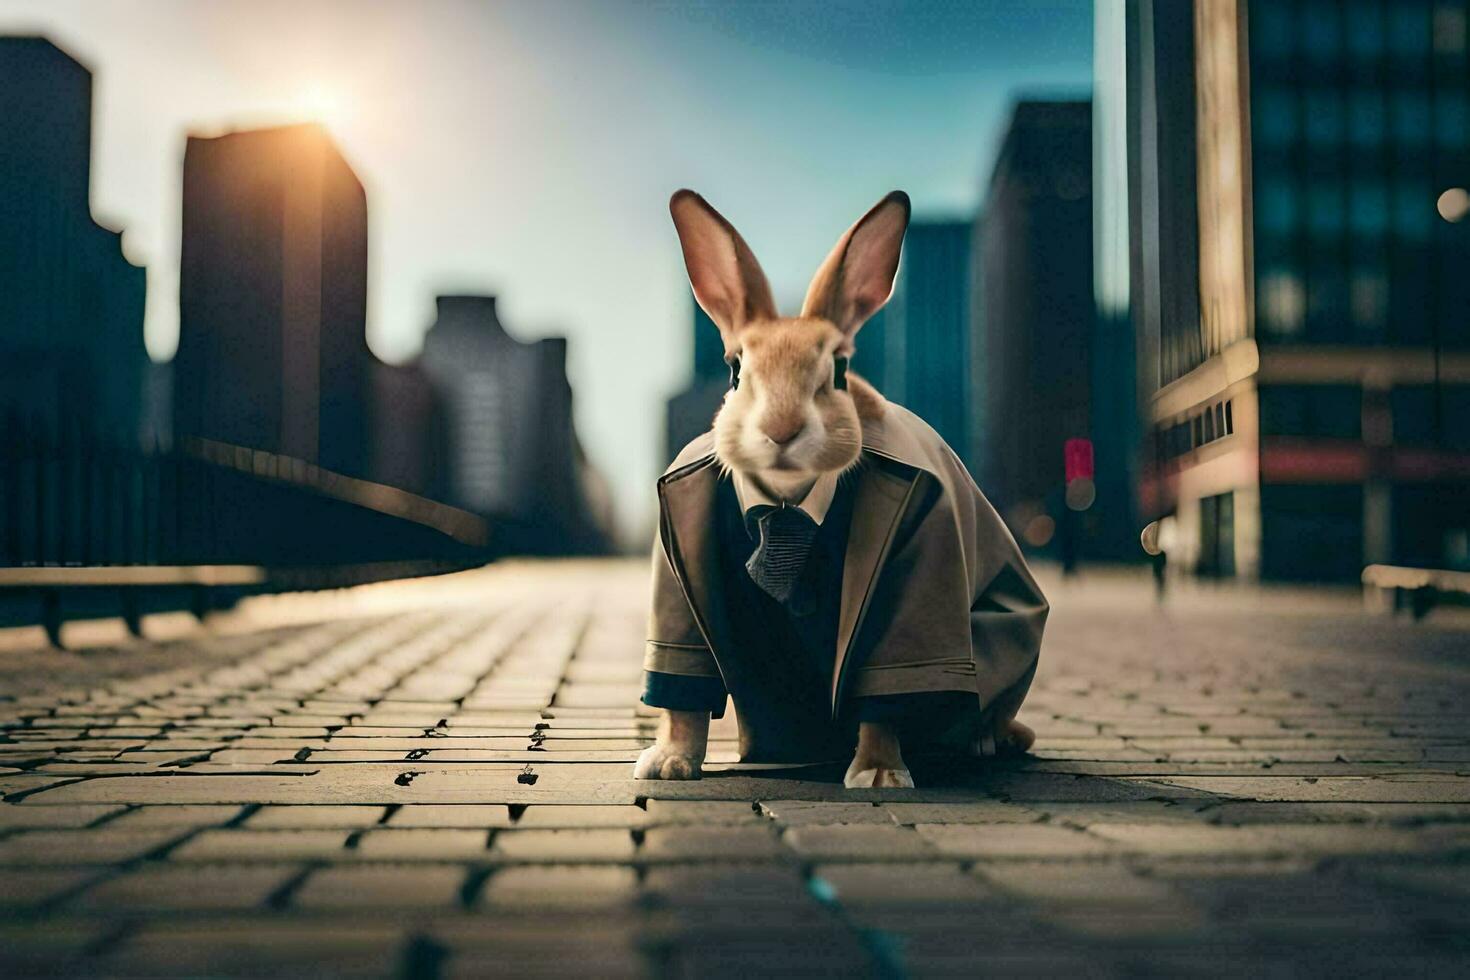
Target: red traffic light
(1078, 456)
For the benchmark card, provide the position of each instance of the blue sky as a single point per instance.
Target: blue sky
(529, 148)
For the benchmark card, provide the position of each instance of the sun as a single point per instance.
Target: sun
(320, 103)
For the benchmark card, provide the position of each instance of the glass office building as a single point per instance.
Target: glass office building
(1295, 183)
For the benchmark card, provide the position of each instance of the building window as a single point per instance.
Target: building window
(1276, 117)
(1272, 32)
(1449, 29)
(1452, 120)
(1411, 122)
(1276, 206)
(1326, 300)
(1324, 117)
(1368, 208)
(1217, 536)
(1364, 31)
(1365, 121)
(1369, 299)
(1325, 207)
(1321, 31)
(1312, 411)
(1283, 303)
(1408, 29)
(1413, 209)
(1413, 415)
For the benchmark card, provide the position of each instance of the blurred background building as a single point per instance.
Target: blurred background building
(1295, 175)
(72, 358)
(511, 450)
(273, 298)
(690, 412)
(917, 350)
(1033, 321)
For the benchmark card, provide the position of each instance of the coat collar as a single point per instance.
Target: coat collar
(686, 511)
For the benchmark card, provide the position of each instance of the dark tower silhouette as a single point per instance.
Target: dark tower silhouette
(1034, 310)
(690, 412)
(925, 330)
(511, 451)
(71, 305)
(272, 298)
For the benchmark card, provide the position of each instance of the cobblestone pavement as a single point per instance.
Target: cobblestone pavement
(432, 778)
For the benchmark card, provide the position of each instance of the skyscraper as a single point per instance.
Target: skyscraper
(71, 305)
(272, 299)
(510, 449)
(1034, 314)
(691, 412)
(917, 349)
(1295, 186)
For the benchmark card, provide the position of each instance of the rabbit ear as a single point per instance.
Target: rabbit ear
(727, 280)
(857, 278)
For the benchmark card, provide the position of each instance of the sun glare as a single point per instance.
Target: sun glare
(319, 103)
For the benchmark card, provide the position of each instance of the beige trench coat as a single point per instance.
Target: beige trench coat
(935, 593)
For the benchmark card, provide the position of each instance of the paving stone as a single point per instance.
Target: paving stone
(907, 885)
(405, 887)
(314, 817)
(1263, 839)
(263, 845)
(1000, 841)
(425, 844)
(53, 817)
(564, 845)
(664, 811)
(1364, 789)
(858, 842)
(527, 957)
(564, 816)
(33, 848)
(982, 811)
(795, 813)
(198, 815)
(243, 947)
(1064, 883)
(1449, 882)
(22, 889)
(464, 815)
(186, 888)
(738, 885)
(560, 887)
(711, 843)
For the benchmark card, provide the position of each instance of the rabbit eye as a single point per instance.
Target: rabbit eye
(839, 373)
(734, 363)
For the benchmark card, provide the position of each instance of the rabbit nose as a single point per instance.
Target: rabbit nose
(784, 434)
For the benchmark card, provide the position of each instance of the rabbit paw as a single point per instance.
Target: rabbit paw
(1014, 740)
(660, 761)
(877, 778)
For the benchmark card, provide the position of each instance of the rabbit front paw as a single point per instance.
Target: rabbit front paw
(663, 761)
(877, 778)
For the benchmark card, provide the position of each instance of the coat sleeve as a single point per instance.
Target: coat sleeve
(675, 643)
(1007, 616)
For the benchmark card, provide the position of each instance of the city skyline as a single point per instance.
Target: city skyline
(491, 169)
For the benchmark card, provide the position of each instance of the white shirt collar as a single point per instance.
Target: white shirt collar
(815, 504)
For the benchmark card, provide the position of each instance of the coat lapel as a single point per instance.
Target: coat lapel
(882, 498)
(687, 522)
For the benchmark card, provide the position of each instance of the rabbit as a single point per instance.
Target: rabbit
(796, 423)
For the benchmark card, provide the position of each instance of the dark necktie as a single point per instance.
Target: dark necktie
(786, 535)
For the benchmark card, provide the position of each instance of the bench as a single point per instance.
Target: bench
(1391, 588)
(51, 594)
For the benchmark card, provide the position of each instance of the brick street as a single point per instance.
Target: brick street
(433, 778)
